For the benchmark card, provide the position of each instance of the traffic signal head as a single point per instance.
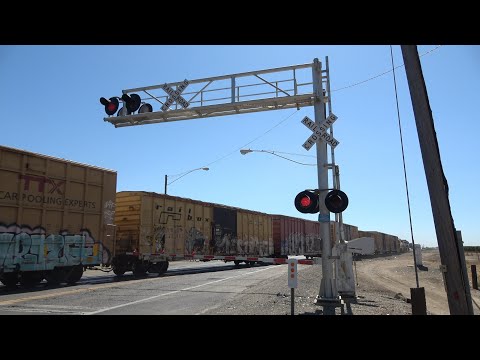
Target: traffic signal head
(307, 202)
(336, 201)
(111, 105)
(132, 102)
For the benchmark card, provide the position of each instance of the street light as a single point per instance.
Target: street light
(246, 151)
(188, 172)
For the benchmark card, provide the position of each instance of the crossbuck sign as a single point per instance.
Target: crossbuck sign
(175, 95)
(320, 132)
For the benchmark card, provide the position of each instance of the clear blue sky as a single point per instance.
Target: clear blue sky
(49, 96)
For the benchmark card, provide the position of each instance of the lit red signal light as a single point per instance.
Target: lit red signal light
(111, 105)
(307, 202)
(132, 103)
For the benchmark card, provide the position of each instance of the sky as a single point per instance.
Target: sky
(49, 96)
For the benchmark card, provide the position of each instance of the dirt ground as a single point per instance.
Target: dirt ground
(397, 275)
(383, 288)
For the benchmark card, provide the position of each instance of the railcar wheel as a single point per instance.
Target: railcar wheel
(55, 276)
(163, 267)
(29, 279)
(237, 262)
(9, 279)
(119, 270)
(139, 269)
(74, 274)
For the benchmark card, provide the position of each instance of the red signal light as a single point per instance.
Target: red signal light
(307, 202)
(111, 105)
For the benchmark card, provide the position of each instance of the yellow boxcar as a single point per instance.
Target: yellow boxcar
(55, 215)
(152, 229)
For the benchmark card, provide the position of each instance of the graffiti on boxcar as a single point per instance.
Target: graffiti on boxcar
(294, 244)
(252, 245)
(195, 242)
(312, 244)
(170, 214)
(109, 212)
(194, 239)
(24, 246)
(159, 233)
(225, 243)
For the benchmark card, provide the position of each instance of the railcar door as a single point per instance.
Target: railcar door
(224, 237)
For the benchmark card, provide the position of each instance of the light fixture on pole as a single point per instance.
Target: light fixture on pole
(182, 175)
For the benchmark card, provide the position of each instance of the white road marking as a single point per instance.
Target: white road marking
(173, 292)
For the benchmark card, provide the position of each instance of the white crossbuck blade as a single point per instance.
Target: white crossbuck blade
(175, 95)
(320, 132)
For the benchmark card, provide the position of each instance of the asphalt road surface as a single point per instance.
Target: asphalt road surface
(187, 288)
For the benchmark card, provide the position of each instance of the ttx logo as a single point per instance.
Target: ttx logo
(41, 181)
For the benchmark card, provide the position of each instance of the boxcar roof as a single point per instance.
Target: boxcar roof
(53, 158)
(154, 194)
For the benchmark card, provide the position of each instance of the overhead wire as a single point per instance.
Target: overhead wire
(258, 137)
(289, 116)
(404, 167)
(283, 157)
(384, 73)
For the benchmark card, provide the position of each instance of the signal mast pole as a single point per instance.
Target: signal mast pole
(328, 295)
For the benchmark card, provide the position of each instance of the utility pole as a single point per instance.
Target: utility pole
(448, 243)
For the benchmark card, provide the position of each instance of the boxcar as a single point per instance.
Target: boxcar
(294, 236)
(56, 217)
(153, 229)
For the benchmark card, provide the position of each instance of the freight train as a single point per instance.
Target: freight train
(59, 217)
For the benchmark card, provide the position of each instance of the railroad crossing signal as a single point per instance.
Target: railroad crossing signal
(320, 131)
(336, 201)
(175, 95)
(307, 202)
(132, 102)
(111, 105)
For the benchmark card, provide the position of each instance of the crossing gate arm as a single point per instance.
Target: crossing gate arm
(244, 258)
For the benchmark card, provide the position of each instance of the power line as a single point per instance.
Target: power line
(283, 157)
(404, 168)
(294, 154)
(282, 121)
(258, 137)
(384, 73)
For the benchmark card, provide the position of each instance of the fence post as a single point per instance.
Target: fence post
(474, 277)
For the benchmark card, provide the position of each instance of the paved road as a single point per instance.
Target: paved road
(187, 288)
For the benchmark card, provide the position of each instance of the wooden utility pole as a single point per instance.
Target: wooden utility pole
(448, 243)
